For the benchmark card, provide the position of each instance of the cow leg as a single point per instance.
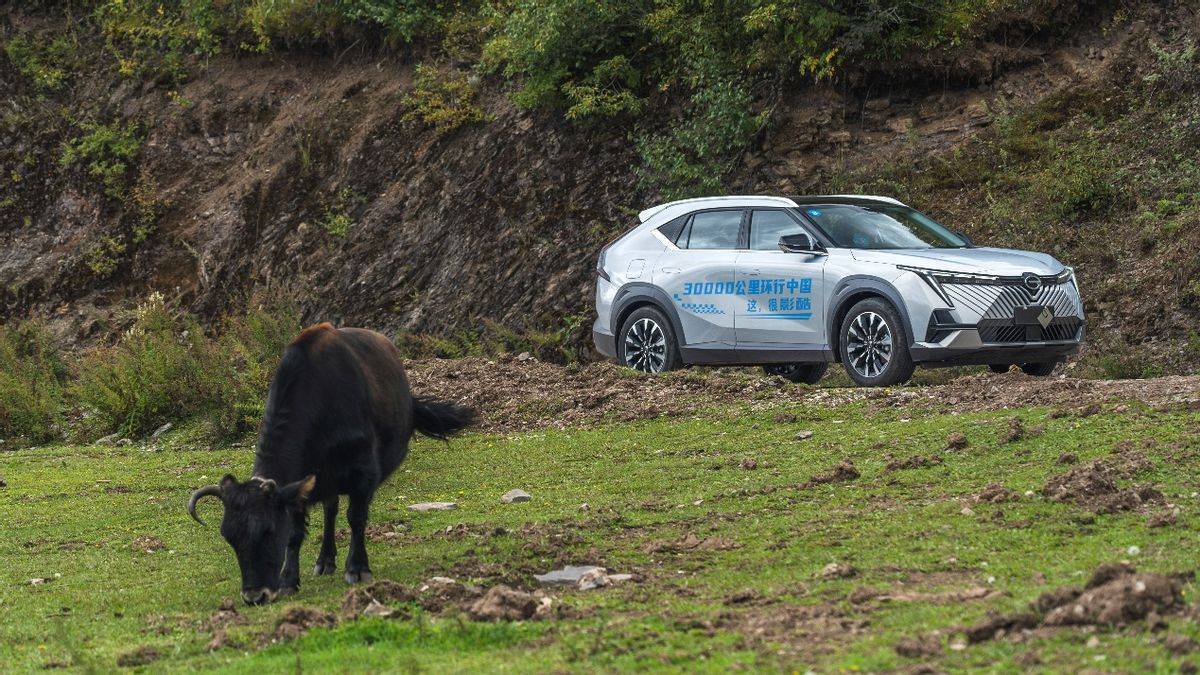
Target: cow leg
(327, 558)
(289, 581)
(357, 569)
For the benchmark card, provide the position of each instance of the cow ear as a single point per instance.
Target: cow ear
(228, 481)
(298, 492)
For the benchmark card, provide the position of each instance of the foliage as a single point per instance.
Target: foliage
(444, 101)
(47, 63)
(337, 220)
(106, 151)
(555, 345)
(32, 372)
(165, 368)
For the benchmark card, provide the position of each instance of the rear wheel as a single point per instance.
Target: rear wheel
(647, 342)
(999, 367)
(806, 373)
(874, 346)
(1039, 369)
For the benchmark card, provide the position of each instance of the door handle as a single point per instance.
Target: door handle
(671, 270)
(754, 273)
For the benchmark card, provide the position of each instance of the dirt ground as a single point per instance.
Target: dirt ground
(517, 394)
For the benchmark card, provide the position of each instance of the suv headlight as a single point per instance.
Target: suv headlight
(935, 279)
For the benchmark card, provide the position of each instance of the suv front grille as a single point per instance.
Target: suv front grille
(1000, 300)
(1004, 331)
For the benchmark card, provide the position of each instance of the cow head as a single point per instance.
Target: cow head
(257, 524)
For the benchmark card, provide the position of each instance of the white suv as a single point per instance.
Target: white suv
(793, 284)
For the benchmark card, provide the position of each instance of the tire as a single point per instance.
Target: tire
(874, 345)
(646, 342)
(803, 373)
(1039, 369)
(999, 368)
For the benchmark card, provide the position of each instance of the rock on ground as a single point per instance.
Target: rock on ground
(502, 603)
(433, 506)
(514, 496)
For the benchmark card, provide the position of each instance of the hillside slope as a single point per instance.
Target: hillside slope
(422, 199)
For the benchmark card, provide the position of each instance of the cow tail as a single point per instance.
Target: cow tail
(440, 419)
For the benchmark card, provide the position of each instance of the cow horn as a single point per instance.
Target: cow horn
(206, 491)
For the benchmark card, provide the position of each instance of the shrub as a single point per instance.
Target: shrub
(165, 368)
(444, 101)
(46, 64)
(106, 151)
(31, 383)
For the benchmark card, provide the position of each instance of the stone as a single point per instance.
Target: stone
(836, 570)
(378, 609)
(433, 506)
(514, 496)
(161, 430)
(804, 435)
(566, 576)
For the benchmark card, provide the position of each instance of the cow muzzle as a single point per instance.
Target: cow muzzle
(258, 596)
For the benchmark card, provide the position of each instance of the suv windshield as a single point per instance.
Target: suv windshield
(880, 226)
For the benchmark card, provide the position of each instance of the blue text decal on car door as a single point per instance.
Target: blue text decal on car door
(765, 298)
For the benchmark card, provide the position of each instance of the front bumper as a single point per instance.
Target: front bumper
(964, 346)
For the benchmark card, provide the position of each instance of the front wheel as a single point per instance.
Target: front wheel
(874, 346)
(806, 373)
(647, 342)
(1039, 369)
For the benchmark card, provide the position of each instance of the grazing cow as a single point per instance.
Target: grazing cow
(338, 419)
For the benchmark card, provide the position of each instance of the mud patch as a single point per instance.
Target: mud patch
(297, 620)
(502, 603)
(1116, 595)
(913, 462)
(1094, 486)
(138, 657)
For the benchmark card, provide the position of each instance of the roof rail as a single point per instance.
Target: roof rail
(649, 213)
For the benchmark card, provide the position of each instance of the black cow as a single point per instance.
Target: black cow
(338, 420)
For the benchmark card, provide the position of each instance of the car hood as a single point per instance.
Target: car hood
(1002, 261)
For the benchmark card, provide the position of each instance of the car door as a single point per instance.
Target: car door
(698, 275)
(784, 292)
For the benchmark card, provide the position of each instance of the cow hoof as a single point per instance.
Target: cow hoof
(289, 590)
(363, 577)
(324, 567)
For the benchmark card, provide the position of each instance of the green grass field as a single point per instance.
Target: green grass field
(755, 598)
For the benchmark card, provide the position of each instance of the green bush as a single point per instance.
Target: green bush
(106, 151)
(444, 101)
(165, 368)
(32, 373)
(47, 64)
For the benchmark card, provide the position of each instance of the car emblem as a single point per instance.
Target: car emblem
(1032, 282)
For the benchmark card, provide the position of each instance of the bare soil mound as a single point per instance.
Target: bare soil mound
(513, 394)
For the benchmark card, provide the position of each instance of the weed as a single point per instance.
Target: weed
(444, 101)
(337, 221)
(106, 151)
(32, 372)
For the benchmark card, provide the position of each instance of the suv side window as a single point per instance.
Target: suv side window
(766, 227)
(673, 229)
(713, 230)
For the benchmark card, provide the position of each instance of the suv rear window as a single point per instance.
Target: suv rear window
(712, 230)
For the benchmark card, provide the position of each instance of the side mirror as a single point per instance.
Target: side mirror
(964, 238)
(799, 243)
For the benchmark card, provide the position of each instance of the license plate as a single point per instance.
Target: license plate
(1034, 315)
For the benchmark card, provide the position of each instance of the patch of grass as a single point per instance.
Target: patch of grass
(337, 220)
(73, 512)
(32, 373)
